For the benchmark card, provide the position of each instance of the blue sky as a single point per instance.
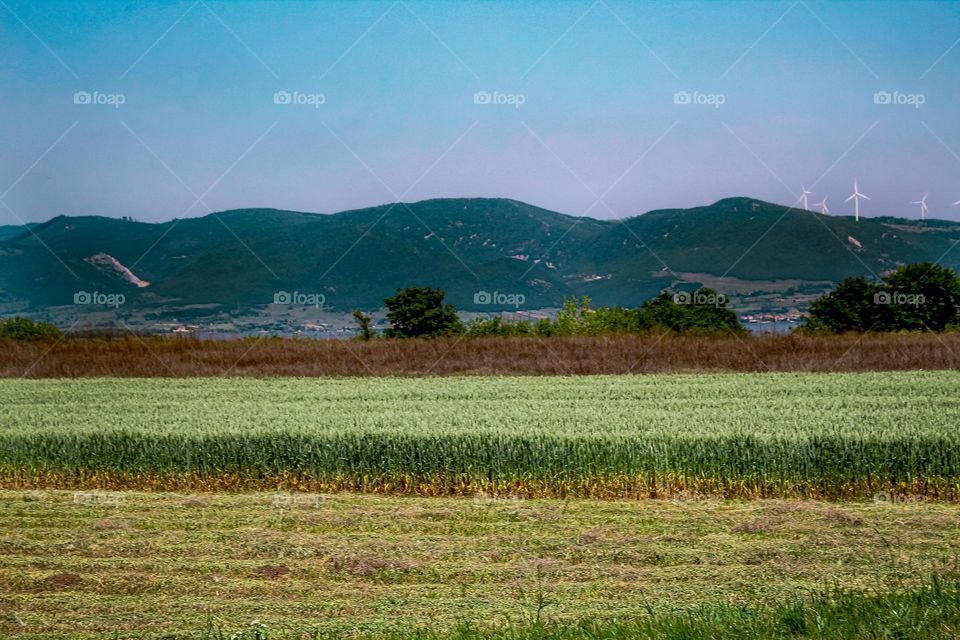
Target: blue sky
(781, 93)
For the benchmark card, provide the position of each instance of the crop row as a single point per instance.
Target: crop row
(821, 435)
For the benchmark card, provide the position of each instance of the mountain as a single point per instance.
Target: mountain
(243, 258)
(8, 231)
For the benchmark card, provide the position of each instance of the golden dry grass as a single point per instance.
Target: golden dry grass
(170, 357)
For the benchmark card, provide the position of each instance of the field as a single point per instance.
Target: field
(163, 565)
(832, 436)
(468, 507)
(257, 357)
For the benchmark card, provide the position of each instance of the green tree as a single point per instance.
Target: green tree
(916, 297)
(849, 307)
(18, 328)
(419, 312)
(922, 297)
(364, 322)
(700, 312)
(573, 317)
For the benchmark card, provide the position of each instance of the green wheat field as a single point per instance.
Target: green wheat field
(832, 436)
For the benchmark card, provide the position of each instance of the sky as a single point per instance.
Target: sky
(609, 109)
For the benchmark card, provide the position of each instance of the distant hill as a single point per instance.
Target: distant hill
(14, 230)
(356, 258)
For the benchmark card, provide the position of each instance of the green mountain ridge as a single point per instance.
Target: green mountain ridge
(355, 258)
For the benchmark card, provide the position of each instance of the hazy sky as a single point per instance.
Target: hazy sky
(591, 117)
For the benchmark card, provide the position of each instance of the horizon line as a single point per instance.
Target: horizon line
(467, 198)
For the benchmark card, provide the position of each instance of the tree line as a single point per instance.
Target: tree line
(419, 312)
(921, 297)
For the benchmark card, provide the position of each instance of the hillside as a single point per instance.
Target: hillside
(356, 258)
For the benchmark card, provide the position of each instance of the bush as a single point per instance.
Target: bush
(495, 326)
(662, 314)
(18, 328)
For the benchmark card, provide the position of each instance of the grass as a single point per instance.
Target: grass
(98, 565)
(173, 357)
(927, 613)
(834, 436)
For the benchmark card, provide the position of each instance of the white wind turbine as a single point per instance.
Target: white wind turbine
(957, 203)
(823, 206)
(856, 199)
(803, 197)
(923, 206)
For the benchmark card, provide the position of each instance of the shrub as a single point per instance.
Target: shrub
(495, 326)
(18, 328)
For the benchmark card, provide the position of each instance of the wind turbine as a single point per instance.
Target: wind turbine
(957, 203)
(803, 196)
(856, 199)
(823, 206)
(923, 206)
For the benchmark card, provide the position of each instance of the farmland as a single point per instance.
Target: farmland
(832, 436)
(170, 565)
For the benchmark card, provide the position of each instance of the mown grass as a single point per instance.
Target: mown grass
(98, 565)
(833, 436)
(930, 612)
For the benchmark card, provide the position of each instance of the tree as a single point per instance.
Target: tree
(364, 321)
(419, 312)
(916, 297)
(18, 328)
(922, 297)
(700, 311)
(849, 307)
(572, 318)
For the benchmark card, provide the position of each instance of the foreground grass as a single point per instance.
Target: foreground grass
(929, 612)
(833, 436)
(152, 565)
(924, 613)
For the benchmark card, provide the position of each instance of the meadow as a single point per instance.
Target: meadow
(108, 565)
(831, 436)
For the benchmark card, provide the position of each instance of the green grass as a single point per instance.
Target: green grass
(821, 435)
(924, 613)
(97, 565)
